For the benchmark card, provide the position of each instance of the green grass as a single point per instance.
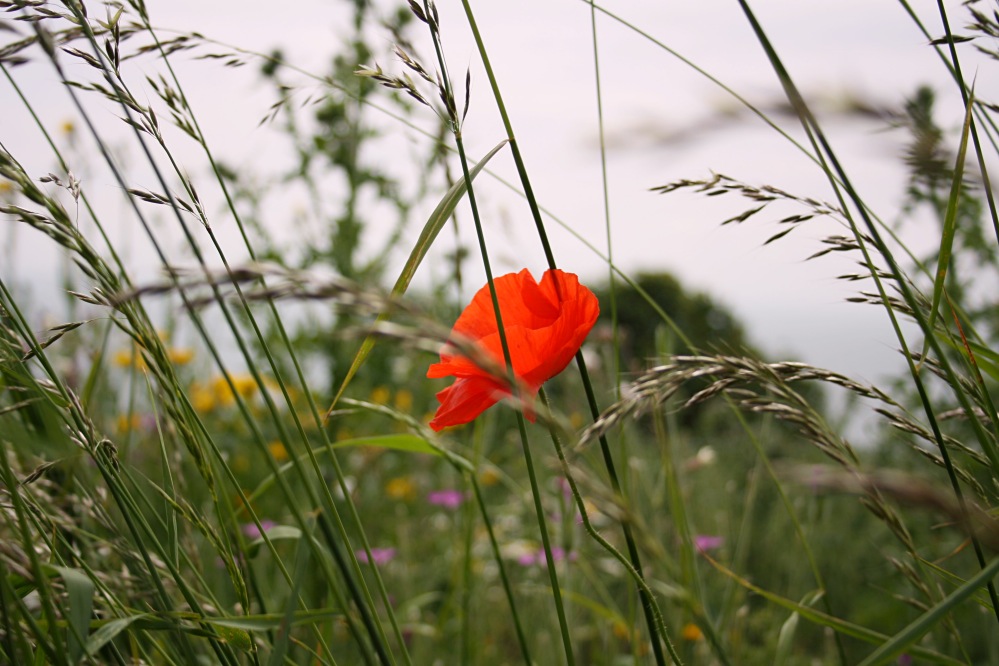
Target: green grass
(231, 463)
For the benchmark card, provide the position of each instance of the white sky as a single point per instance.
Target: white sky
(660, 123)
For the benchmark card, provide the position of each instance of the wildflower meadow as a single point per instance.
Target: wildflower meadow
(359, 396)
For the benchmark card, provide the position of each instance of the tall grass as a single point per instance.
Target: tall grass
(224, 457)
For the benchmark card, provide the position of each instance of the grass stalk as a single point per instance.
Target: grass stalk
(504, 576)
(521, 421)
(635, 574)
(300, 375)
(815, 133)
(514, 383)
(372, 627)
(647, 602)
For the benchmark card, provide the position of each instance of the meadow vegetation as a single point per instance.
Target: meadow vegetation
(232, 460)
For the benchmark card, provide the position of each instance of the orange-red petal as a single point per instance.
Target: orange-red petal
(464, 400)
(545, 325)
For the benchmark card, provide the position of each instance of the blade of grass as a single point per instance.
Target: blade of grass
(80, 593)
(447, 95)
(840, 626)
(441, 214)
(914, 631)
(280, 646)
(104, 632)
(950, 219)
(648, 603)
(837, 175)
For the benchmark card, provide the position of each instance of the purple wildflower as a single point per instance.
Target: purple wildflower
(566, 489)
(449, 499)
(538, 557)
(251, 531)
(704, 542)
(379, 555)
(527, 559)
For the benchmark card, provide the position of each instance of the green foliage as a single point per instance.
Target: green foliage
(707, 324)
(173, 490)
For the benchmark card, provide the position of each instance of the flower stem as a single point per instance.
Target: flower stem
(507, 587)
(521, 421)
(647, 601)
(515, 388)
(643, 586)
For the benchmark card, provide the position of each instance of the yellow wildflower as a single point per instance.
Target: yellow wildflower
(221, 391)
(202, 398)
(691, 632)
(621, 631)
(278, 450)
(245, 386)
(400, 488)
(403, 400)
(67, 127)
(380, 395)
(240, 463)
(180, 355)
(123, 423)
(489, 477)
(129, 358)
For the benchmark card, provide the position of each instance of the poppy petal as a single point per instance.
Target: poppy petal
(464, 400)
(544, 323)
(522, 303)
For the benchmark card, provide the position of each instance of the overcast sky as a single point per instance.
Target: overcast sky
(663, 121)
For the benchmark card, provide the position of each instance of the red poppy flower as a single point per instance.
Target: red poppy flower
(545, 326)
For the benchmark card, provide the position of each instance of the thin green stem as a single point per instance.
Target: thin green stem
(605, 189)
(289, 347)
(836, 176)
(647, 605)
(966, 97)
(514, 382)
(635, 575)
(521, 421)
(504, 577)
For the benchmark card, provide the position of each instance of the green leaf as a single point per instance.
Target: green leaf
(849, 628)
(80, 590)
(252, 623)
(106, 632)
(276, 533)
(427, 237)
(785, 637)
(950, 218)
(905, 639)
(950, 39)
(280, 646)
(986, 359)
(239, 638)
(397, 442)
